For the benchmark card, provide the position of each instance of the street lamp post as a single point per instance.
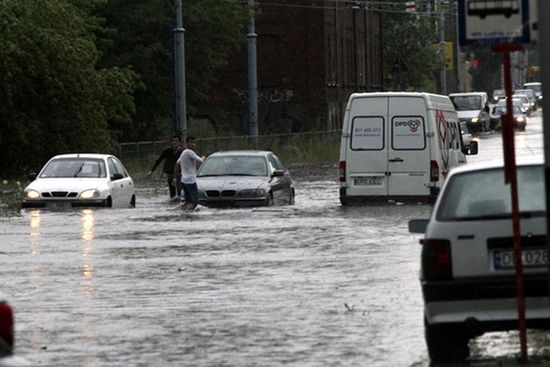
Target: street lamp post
(179, 73)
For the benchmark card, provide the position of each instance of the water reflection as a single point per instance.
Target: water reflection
(35, 233)
(88, 224)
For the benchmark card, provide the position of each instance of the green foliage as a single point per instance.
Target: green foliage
(138, 35)
(410, 39)
(53, 97)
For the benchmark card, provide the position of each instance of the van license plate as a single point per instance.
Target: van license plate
(534, 257)
(367, 181)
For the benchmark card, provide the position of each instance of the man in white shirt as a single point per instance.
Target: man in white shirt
(186, 163)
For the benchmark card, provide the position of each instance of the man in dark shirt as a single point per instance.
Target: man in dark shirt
(170, 155)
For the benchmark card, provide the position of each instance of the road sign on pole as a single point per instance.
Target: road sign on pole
(490, 22)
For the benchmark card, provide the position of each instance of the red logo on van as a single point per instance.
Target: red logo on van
(413, 125)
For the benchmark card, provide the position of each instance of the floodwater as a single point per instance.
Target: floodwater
(313, 284)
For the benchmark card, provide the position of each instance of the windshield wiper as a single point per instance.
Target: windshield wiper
(78, 170)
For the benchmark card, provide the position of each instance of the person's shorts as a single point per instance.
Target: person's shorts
(191, 193)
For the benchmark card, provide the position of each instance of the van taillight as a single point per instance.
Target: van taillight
(436, 260)
(342, 168)
(434, 171)
(6, 329)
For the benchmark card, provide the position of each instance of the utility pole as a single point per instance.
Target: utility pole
(443, 72)
(179, 73)
(252, 76)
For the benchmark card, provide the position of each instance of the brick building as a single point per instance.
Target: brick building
(311, 55)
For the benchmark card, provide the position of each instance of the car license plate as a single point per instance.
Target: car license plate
(59, 205)
(367, 181)
(531, 257)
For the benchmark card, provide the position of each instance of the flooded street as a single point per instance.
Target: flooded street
(306, 285)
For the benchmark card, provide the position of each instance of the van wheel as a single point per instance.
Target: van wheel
(446, 344)
(291, 199)
(133, 202)
(108, 203)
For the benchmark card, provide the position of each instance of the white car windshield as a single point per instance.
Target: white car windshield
(234, 165)
(467, 103)
(484, 195)
(74, 167)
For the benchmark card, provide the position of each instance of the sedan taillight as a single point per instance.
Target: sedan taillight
(436, 259)
(6, 329)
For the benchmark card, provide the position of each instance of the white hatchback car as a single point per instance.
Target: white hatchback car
(81, 180)
(467, 269)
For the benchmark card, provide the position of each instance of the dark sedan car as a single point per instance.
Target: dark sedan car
(244, 178)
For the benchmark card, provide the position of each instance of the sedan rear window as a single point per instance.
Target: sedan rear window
(484, 195)
(74, 167)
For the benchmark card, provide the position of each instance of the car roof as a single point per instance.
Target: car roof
(83, 155)
(468, 94)
(261, 153)
(496, 163)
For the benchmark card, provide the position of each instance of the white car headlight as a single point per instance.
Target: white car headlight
(89, 194)
(475, 120)
(520, 119)
(32, 194)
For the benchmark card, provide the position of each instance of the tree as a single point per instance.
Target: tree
(54, 99)
(408, 38)
(139, 37)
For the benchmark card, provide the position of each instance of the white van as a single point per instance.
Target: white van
(398, 145)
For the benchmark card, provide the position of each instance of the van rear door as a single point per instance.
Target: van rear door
(408, 151)
(367, 156)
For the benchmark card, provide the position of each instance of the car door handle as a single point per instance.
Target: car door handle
(396, 160)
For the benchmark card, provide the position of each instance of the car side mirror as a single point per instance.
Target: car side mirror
(116, 176)
(418, 225)
(32, 176)
(278, 173)
(471, 149)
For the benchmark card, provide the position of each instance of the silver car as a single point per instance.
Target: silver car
(244, 178)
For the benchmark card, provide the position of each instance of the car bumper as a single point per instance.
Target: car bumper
(62, 203)
(487, 304)
(244, 202)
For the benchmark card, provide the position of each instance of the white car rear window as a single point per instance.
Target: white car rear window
(484, 195)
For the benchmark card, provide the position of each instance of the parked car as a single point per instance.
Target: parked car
(520, 119)
(473, 108)
(467, 269)
(244, 178)
(81, 180)
(7, 338)
(498, 94)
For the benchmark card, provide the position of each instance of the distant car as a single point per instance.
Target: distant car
(535, 87)
(466, 135)
(531, 95)
(7, 338)
(498, 94)
(473, 109)
(81, 180)
(244, 178)
(526, 104)
(467, 269)
(520, 119)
